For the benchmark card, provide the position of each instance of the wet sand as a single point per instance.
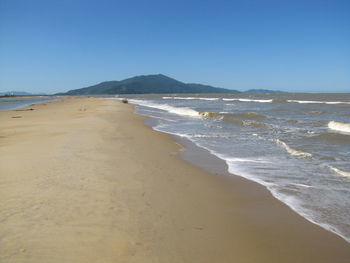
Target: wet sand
(85, 180)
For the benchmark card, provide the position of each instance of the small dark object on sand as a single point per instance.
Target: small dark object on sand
(15, 117)
(125, 101)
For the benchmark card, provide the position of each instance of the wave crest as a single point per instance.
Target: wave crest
(189, 98)
(165, 107)
(338, 171)
(293, 151)
(285, 101)
(247, 100)
(339, 126)
(318, 102)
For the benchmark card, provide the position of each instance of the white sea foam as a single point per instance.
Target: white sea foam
(292, 201)
(239, 170)
(246, 100)
(165, 107)
(179, 98)
(318, 102)
(190, 98)
(210, 136)
(208, 98)
(338, 171)
(292, 101)
(246, 160)
(293, 151)
(301, 185)
(339, 126)
(297, 205)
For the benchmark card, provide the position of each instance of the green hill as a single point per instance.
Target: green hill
(148, 84)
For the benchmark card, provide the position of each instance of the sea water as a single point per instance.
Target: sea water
(296, 145)
(10, 103)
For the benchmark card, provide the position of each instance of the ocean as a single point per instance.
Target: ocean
(296, 145)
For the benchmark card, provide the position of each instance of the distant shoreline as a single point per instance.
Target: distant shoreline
(17, 102)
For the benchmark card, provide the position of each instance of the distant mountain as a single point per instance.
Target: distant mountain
(147, 84)
(263, 91)
(16, 93)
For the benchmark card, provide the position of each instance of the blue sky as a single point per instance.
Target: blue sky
(51, 46)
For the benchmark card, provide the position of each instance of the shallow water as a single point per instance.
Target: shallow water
(11, 103)
(297, 145)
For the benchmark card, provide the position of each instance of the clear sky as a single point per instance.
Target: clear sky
(292, 45)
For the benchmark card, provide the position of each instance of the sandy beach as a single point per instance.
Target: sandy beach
(85, 180)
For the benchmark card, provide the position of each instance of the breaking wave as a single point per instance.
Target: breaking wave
(318, 102)
(189, 98)
(184, 111)
(285, 101)
(293, 151)
(246, 100)
(339, 126)
(175, 110)
(338, 171)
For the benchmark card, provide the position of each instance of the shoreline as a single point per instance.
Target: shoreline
(108, 187)
(209, 162)
(26, 101)
(214, 164)
(223, 161)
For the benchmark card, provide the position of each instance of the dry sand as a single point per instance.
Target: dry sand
(84, 180)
